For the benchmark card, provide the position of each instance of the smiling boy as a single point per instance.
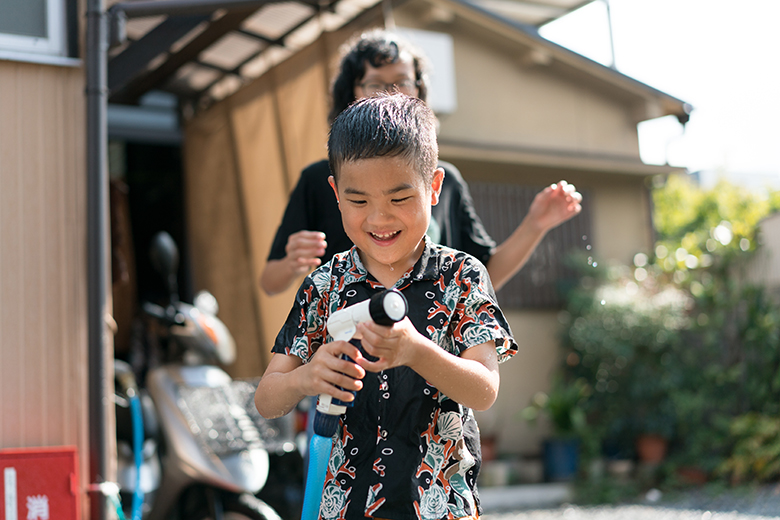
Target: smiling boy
(409, 446)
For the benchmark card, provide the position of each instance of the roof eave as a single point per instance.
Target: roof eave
(572, 160)
(656, 102)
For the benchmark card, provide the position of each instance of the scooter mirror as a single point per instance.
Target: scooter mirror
(206, 303)
(165, 259)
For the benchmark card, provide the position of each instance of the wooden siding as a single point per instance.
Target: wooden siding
(43, 307)
(540, 284)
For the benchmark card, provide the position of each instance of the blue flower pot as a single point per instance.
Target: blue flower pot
(561, 459)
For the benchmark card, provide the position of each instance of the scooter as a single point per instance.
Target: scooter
(199, 453)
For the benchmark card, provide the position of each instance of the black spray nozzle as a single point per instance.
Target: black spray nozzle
(388, 307)
(325, 425)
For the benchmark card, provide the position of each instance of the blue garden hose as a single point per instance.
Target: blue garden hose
(138, 439)
(321, 442)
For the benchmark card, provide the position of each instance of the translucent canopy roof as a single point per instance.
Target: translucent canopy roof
(204, 50)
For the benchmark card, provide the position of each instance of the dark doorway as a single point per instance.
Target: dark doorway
(154, 181)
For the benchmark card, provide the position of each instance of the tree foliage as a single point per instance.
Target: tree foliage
(696, 226)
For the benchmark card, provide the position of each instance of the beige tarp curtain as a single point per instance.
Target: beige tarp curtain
(242, 158)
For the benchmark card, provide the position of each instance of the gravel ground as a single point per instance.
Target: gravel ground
(756, 503)
(624, 513)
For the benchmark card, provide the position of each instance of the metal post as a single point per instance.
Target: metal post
(613, 65)
(97, 249)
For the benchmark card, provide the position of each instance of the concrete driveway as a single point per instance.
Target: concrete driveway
(622, 513)
(553, 501)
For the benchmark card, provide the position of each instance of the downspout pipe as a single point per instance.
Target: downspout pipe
(97, 252)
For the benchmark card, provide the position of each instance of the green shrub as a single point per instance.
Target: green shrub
(756, 451)
(679, 344)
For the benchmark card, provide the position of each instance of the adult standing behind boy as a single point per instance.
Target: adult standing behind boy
(409, 445)
(311, 231)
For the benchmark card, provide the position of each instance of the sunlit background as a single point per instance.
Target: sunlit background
(720, 56)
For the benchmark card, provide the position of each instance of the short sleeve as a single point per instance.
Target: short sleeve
(478, 318)
(304, 330)
(295, 218)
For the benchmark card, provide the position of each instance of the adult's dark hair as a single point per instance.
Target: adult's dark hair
(376, 47)
(385, 126)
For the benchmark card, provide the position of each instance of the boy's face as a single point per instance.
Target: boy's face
(386, 207)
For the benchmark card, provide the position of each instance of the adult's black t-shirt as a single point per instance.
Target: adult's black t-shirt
(313, 207)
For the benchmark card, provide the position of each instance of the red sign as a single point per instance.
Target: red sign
(39, 484)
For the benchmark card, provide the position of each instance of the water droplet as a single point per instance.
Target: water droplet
(603, 302)
(584, 237)
(590, 260)
(595, 264)
(587, 247)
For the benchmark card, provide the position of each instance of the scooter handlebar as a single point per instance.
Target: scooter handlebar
(169, 315)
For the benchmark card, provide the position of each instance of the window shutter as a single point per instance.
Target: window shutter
(547, 274)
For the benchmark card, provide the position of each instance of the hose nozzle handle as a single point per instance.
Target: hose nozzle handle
(384, 308)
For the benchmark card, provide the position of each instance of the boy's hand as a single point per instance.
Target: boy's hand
(304, 250)
(554, 205)
(394, 346)
(326, 371)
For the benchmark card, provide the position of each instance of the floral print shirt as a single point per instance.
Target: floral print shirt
(404, 450)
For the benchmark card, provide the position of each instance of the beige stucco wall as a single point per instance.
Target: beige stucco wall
(529, 107)
(504, 100)
(618, 233)
(43, 295)
(764, 267)
(521, 377)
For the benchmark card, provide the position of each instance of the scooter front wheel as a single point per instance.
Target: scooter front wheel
(239, 507)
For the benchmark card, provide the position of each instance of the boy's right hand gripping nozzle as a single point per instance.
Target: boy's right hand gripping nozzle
(383, 308)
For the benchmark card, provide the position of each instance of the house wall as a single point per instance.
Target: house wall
(505, 100)
(529, 106)
(43, 279)
(764, 267)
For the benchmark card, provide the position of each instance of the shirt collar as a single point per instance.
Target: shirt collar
(425, 268)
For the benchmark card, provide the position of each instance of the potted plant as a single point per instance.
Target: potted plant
(650, 386)
(563, 408)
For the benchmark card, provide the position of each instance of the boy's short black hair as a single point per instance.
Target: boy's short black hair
(376, 47)
(385, 126)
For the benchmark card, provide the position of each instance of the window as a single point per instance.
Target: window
(547, 274)
(33, 27)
